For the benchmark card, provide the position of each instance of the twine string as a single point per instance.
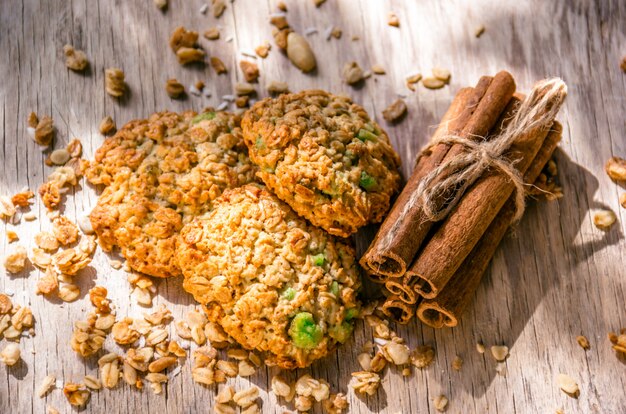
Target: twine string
(453, 177)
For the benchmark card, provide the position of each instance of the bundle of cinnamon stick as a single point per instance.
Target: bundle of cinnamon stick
(465, 191)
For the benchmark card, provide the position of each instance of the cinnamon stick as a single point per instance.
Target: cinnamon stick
(449, 305)
(466, 224)
(401, 288)
(403, 231)
(398, 310)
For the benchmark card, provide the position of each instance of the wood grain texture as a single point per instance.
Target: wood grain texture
(556, 277)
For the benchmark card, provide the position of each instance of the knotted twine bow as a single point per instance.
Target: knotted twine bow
(537, 110)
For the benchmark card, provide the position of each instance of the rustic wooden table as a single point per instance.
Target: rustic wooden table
(557, 277)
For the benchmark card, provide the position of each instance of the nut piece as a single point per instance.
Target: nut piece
(44, 132)
(10, 354)
(263, 50)
(583, 342)
(423, 356)
(250, 70)
(615, 168)
(218, 8)
(212, 34)
(393, 20)
(395, 111)
(500, 352)
(433, 83)
(277, 87)
(47, 384)
(604, 219)
(441, 403)
(299, 52)
(174, 88)
(442, 74)
(114, 82)
(75, 59)
(188, 55)
(15, 262)
(352, 73)
(479, 30)
(568, 385)
(107, 126)
(218, 65)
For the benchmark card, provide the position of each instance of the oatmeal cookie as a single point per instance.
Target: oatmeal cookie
(159, 173)
(274, 282)
(325, 157)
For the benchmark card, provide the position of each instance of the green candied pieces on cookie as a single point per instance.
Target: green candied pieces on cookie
(259, 143)
(365, 135)
(334, 288)
(304, 332)
(319, 259)
(341, 333)
(351, 314)
(288, 293)
(367, 182)
(203, 117)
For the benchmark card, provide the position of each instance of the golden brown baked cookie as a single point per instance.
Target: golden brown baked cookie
(325, 157)
(274, 282)
(159, 173)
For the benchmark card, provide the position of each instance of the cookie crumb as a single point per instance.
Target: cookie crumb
(568, 385)
(457, 363)
(604, 219)
(76, 60)
(114, 82)
(263, 50)
(615, 168)
(583, 342)
(218, 65)
(174, 89)
(441, 403)
(479, 31)
(250, 70)
(212, 34)
(352, 73)
(500, 352)
(107, 126)
(392, 20)
(395, 111)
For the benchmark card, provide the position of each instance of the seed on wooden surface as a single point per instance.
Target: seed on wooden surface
(218, 65)
(479, 30)
(59, 156)
(480, 348)
(622, 200)
(395, 111)
(47, 385)
(161, 4)
(74, 148)
(604, 219)
(212, 34)
(441, 403)
(568, 385)
(583, 342)
(244, 88)
(412, 80)
(246, 397)
(218, 8)
(615, 168)
(299, 52)
(186, 55)
(250, 70)
(44, 132)
(114, 82)
(277, 87)
(500, 352)
(392, 20)
(5, 304)
(162, 363)
(336, 33)
(246, 368)
(352, 73)
(174, 88)
(378, 69)
(433, 83)
(68, 292)
(76, 394)
(318, 3)
(622, 64)
(263, 50)
(441, 74)
(107, 126)
(92, 382)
